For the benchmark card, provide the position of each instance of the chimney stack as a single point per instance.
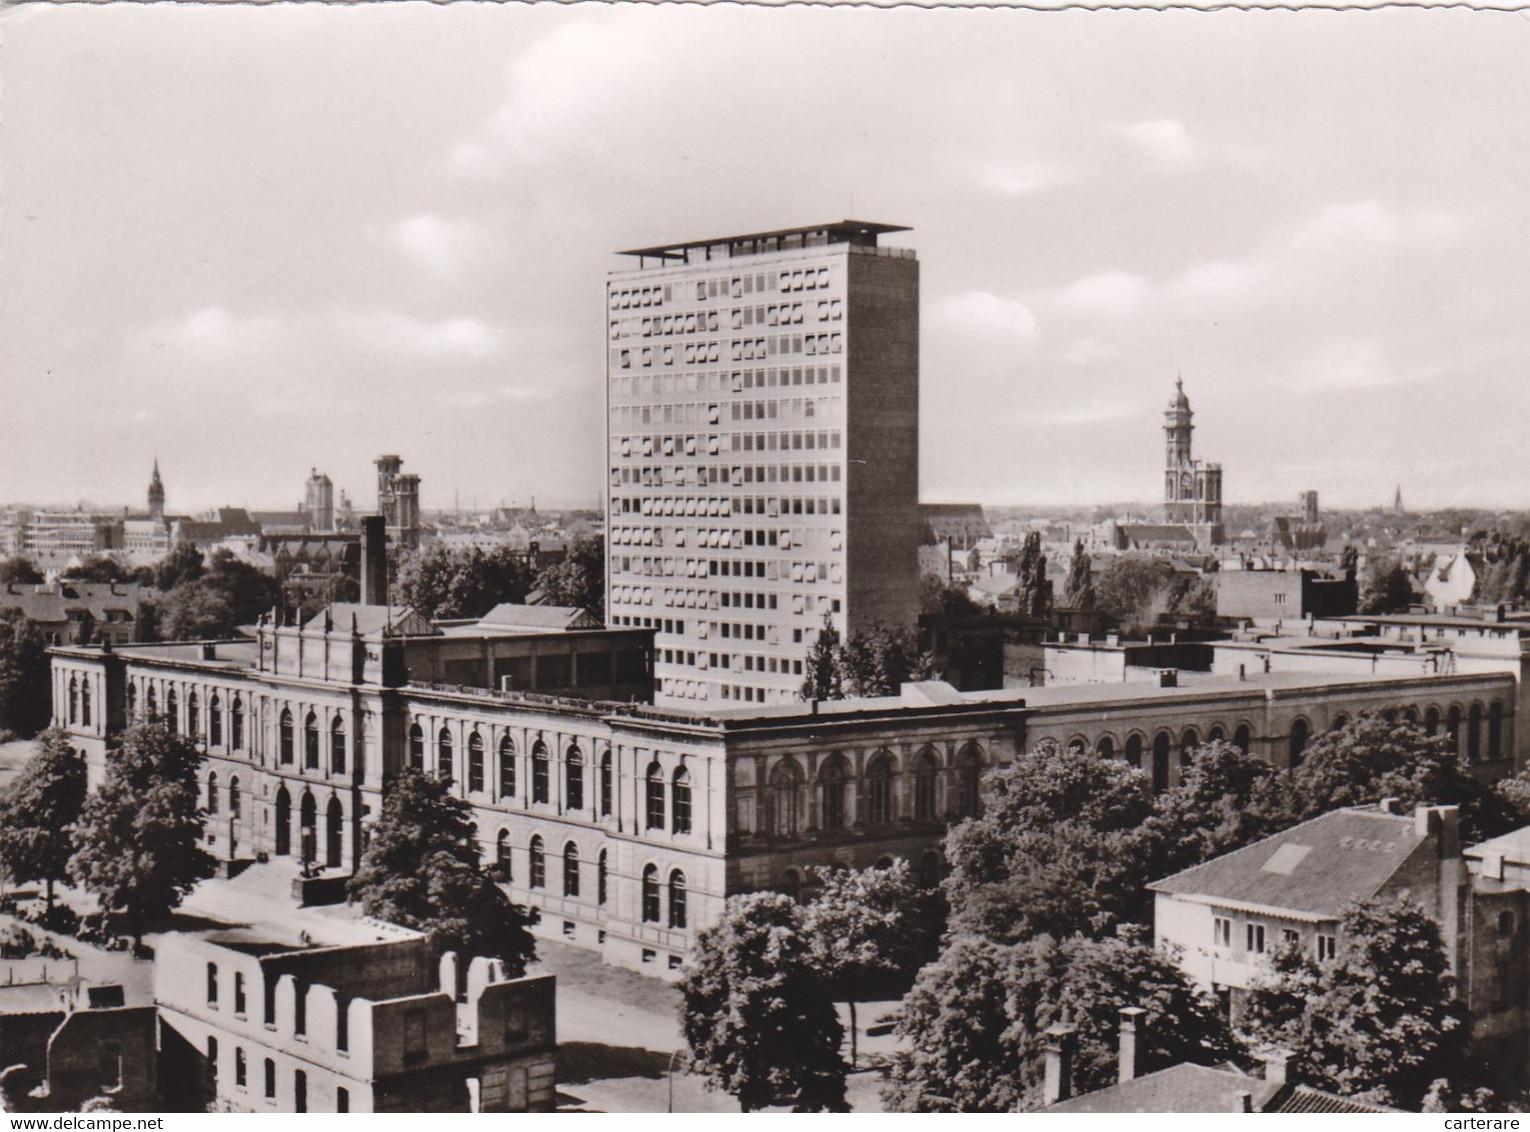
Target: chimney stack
(1130, 1042)
(374, 560)
(1062, 1039)
(1277, 1063)
(1243, 1102)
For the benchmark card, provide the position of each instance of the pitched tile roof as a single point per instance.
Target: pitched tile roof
(538, 618)
(1304, 1098)
(1180, 1088)
(373, 620)
(1312, 870)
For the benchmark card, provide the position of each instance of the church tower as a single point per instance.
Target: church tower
(1192, 489)
(156, 493)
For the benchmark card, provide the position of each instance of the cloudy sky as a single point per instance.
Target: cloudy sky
(255, 240)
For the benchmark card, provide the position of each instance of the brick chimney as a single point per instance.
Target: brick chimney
(1444, 822)
(1277, 1063)
(1132, 1035)
(1062, 1040)
(374, 560)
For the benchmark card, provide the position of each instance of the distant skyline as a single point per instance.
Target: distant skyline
(255, 240)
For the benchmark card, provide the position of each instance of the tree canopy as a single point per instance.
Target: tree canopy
(579, 581)
(26, 689)
(1137, 590)
(875, 661)
(1380, 1019)
(39, 810)
(212, 602)
(20, 569)
(1035, 591)
(138, 845)
(756, 1014)
(442, 582)
(100, 568)
(1388, 587)
(421, 871)
(1079, 590)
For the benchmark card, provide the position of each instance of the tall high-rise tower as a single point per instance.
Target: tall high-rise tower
(1192, 489)
(763, 429)
(156, 493)
(319, 502)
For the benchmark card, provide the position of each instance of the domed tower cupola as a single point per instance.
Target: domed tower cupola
(1177, 427)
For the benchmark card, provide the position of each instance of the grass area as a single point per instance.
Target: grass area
(13, 756)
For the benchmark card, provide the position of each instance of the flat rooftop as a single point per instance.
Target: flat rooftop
(860, 232)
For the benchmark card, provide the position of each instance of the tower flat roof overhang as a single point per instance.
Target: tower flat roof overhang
(859, 232)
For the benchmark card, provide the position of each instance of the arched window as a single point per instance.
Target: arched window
(650, 894)
(1298, 744)
(233, 796)
(172, 712)
(680, 801)
(879, 776)
(1453, 728)
(1188, 742)
(1134, 751)
(1495, 732)
(212, 794)
(1243, 738)
(831, 792)
(236, 725)
(1161, 744)
(969, 771)
(571, 869)
(475, 763)
(538, 864)
(416, 748)
(74, 699)
(215, 721)
(193, 716)
(605, 785)
(474, 852)
(926, 774)
(601, 878)
(1410, 716)
(502, 854)
(677, 899)
(85, 703)
(311, 742)
(1432, 721)
(132, 701)
(655, 799)
(1106, 747)
(444, 754)
(1217, 734)
(153, 702)
(285, 727)
(784, 817)
(337, 745)
(1474, 734)
(539, 772)
(573, 776)
(507, 767)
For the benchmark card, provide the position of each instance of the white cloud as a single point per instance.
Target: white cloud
(1021, 178)
(213, 333)
(1164, 141)
(982, 313)
(404, 335)
(1106, 293)
(1087, 351)
(442, 247)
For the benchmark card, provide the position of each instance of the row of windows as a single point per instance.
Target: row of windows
(299, 1079)
(697, 444)
(172, 717)
(639, 297)
(787, 790)
(572, 880)
(801, 605)
(769, 569)
(1256, 939)
(769, 506)
(719, 381)
(79, 701)
(739, 350)
(287, 741)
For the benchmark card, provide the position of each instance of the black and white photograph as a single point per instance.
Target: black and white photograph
(727, 558)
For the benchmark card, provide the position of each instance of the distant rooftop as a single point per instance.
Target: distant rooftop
(861, 233)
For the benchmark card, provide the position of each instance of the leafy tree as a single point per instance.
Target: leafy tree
(1035, 590)
(183, 564)
(579, 581)
(138, 843)
(26, 688)
(212, 605)
(879, 659)
(1136, 590)
(868, 929)
(38, 813)
(1371, 757)
(1226, 799)
(976, 1020)
(101, 569)
(1079, 592)
(946, 599)
(440, 582)
(1380, 1019)
(1388, 588)
(822, 680)
(1057, 848)
(18, 568)
(1349, 560)
(421, 871)
(756, 1015)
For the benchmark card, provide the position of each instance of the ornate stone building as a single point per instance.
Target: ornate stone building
(1192, 489)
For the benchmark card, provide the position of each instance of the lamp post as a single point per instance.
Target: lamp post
(670, 1076)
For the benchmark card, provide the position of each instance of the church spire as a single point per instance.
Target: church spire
(156, 493)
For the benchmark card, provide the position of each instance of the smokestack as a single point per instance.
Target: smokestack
(1058, 1085)
(1129, 1042)
(374, 560)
